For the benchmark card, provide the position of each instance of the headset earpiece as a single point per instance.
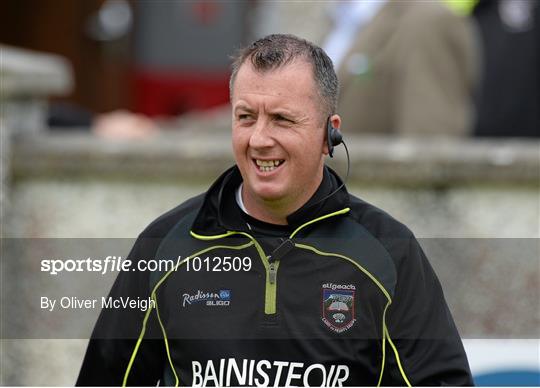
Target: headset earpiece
(333, 138)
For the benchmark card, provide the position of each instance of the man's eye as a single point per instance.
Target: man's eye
(244, 117)
(283, 119)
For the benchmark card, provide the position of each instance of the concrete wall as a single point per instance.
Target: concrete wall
(474, 205)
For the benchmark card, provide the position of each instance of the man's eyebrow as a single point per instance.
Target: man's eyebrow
(285, 113)
(244, 108)
(274, 112)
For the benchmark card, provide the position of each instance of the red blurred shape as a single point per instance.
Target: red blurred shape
(206, 12)
(171, 94)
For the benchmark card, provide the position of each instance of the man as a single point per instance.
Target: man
(410, 69)
(327, 289)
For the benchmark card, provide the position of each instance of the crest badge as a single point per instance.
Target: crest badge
(338, 306)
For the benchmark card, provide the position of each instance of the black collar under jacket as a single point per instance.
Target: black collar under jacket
(219, 212)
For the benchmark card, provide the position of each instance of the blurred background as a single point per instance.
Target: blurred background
(114, 111)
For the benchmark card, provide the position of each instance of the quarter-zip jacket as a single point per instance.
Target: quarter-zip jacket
(342, 295)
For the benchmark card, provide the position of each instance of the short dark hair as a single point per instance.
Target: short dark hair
(277, 50)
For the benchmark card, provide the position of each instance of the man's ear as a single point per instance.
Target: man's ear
(335, 121)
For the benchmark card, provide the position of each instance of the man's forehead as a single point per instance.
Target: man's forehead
(297, 65)
(292, 78)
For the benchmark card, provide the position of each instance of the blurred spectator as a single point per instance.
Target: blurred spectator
(114, 125)
(124, 125)
(508, 102)
(407, 67)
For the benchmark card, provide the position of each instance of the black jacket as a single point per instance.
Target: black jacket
(343, 295)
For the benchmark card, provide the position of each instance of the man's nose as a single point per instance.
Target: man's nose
(261, 136)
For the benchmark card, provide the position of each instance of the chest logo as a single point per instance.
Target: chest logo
(208, 298)
(338, 306)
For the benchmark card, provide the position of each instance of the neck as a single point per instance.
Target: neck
(276, 211)
(267, 212)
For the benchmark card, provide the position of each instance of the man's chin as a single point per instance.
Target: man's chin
(268, 194)
(270, 197)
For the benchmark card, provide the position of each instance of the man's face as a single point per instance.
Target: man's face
(278, 133)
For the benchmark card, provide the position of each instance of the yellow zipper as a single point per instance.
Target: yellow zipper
(271, 267)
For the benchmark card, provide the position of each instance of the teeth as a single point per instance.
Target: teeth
(268, 165)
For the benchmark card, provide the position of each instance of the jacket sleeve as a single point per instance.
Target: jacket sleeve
(424, 347)
(117, 332)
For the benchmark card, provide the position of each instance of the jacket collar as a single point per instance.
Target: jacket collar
(217, 214)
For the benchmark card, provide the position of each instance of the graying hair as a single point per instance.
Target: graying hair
(277, 50)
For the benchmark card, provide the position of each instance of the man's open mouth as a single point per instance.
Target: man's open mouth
(268, 165)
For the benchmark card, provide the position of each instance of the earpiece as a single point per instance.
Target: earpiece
(333, 137)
